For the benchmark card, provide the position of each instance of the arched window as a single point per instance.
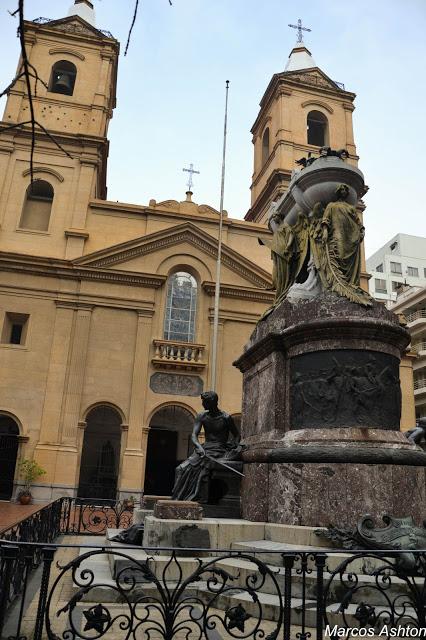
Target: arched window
(62, 78)
(317, 126)
(179, 321)
(37, 206)
(265, 146)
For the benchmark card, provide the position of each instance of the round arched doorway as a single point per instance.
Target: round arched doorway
(169, 443)
(9, 432)
(100, 456)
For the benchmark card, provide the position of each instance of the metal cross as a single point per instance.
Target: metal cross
(299, 28)
(191, 171)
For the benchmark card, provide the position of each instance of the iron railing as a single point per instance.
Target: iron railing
(420, 383)
(160, 593)
(66, 516)
(92, 516)
(416, 315)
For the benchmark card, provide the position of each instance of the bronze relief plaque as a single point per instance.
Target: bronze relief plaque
(345, 388)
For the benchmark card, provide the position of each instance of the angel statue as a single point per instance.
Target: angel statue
(335, 243)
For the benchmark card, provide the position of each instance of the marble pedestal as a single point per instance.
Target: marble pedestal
(321, 413)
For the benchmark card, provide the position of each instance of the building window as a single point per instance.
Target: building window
(379, 268)
(15, 328)
(62, 78)
(317, 126)
(413, 271)
(265, 146)
(380, 285)
(37, 206)
(395, 267)
(179, 321)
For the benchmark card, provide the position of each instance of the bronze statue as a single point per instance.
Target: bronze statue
(222, 441)
(331, 237)
(337, 253)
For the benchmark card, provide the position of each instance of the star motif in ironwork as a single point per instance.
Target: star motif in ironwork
(97, 617)
(237, 617)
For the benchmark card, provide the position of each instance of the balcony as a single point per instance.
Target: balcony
(416, 315)
(420, 391)
(419, 348)
(416, 320)
(170, 354)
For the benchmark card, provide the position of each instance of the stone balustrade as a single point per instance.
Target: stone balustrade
(172, 354)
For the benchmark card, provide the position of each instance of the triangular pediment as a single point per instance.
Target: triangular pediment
(314, 77)
(75, 25)
(186, 233)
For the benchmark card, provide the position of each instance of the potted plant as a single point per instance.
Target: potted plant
(30, 471)
(129, 503)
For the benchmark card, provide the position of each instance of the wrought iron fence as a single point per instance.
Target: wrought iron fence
(61, 517)
(123, 592)
(93, 516)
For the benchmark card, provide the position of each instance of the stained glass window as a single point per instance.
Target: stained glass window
(179, 321)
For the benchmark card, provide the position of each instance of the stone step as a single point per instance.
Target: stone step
(268, 608)
(105, 591)
(248, 574)
(270, 552)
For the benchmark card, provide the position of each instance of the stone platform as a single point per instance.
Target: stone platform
(321, 414)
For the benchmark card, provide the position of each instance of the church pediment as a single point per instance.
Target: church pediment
(76, 25)
(314, 77)
(127, 252)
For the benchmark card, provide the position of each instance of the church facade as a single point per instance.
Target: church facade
(106, 308)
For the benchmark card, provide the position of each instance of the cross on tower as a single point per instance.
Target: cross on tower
(191, 171)
(299, 28)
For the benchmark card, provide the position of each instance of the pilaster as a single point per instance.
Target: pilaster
(76, 372)
(133, 463)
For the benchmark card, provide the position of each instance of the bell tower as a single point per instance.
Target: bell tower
(78, 66)
(301, 110)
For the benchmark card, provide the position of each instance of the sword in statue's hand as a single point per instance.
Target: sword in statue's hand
(222, 464)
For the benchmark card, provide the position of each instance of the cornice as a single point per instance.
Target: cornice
(242, 293)
(277, 177)
(178, 234)
(53, 268)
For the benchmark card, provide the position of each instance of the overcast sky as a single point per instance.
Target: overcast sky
(171, 91)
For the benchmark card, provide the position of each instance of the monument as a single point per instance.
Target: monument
(321, 391)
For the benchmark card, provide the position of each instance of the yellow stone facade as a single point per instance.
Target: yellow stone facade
(87, 294)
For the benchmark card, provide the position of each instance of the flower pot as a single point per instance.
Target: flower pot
(25, 499)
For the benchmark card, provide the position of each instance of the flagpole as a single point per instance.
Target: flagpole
(219, 251)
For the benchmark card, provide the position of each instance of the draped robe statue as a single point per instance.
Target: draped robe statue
(332, 236)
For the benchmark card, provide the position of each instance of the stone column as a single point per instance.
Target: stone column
(133, 466)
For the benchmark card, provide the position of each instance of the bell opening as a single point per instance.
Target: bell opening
(63, 78)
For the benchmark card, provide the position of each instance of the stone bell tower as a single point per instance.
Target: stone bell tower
(78, 66)
(301, 110)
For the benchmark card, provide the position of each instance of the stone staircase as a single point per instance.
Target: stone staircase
(114, 565)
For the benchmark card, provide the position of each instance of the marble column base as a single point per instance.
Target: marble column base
(321, 494)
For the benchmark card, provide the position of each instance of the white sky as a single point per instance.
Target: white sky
(171, 92)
